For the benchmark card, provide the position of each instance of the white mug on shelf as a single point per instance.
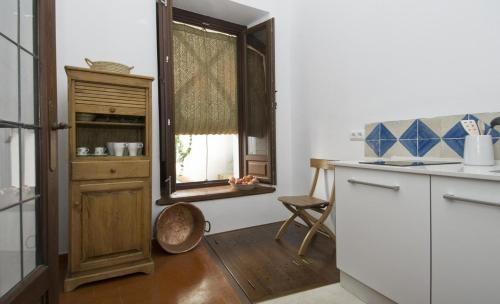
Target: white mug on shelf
(478, 150)
(82, 151)
(135, 149)
(119, 149)
(109, 146)
(99, 151)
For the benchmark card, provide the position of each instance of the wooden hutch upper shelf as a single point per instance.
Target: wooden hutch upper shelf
(109, 93)
(110, 124)
(121, 75)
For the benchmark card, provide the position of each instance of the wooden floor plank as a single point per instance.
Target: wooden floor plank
(266, 269)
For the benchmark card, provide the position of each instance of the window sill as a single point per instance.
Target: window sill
(211, 193)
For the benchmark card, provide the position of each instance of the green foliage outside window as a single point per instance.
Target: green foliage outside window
(182, 151)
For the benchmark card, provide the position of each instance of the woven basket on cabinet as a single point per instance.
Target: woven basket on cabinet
(107, 66)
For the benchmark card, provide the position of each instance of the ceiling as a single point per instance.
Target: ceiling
(223, 9)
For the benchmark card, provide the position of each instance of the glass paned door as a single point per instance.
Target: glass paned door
(19, 144)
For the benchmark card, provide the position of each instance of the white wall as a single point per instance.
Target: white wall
(340, 63)
(359, 61)
(125, 31)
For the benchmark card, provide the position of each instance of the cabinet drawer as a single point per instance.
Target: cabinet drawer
(383, 231)
(109, 109)
(465, 241)
(109, 99)
(109, 169)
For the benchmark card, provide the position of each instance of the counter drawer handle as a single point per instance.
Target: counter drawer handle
(112, 170)
(453, 197)
(112, 110)
(355, 181)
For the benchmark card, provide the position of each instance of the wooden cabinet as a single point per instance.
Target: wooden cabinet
(465, 241)
(100, 212)
(383, 231)
(110, 196)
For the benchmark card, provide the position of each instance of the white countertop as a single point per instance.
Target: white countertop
(454, 170)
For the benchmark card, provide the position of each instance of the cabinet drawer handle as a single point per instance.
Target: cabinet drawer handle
(112, 110)
(453, 197)
(355, 181)
(112, 170)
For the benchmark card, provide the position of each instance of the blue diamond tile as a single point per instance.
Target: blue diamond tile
(375, 145)
(385, 145)
(457, 131)
(385, 133)
(470, 116)
(456, 145)
(375, 134)
(411, 145)
(487, 129)
(425, 145)
(495, 134)
(424, 132)
(411, 132)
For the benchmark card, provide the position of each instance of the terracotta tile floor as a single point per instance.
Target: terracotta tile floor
(190, 278)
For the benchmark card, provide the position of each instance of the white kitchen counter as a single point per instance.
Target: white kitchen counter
(454, 170)
(391, 250)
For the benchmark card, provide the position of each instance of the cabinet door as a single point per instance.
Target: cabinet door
(110, 224)
(465, 241)
(383, 231)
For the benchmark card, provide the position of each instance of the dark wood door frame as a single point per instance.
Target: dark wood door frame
(43, 280)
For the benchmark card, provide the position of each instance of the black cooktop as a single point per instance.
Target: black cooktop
(409, 163)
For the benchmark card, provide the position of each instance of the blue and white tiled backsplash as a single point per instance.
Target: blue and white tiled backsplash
(438, 137)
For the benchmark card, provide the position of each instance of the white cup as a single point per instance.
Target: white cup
(119, 149)
(99, 151)
(109, 146)
(135, 149)
(82, 151)
(478, 150)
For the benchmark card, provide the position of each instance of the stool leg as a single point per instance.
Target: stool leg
(285, 225)
(305, 217)
(307, 240)
(318, 223)
(327, 230)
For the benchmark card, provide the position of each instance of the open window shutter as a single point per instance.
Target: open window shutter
(260, 103)
(166, 104)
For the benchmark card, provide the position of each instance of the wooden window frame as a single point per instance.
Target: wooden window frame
(239, 31)
(166, 14)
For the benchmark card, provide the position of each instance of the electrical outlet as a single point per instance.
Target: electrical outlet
(357, 135)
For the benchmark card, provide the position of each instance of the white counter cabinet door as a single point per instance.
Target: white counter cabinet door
(465, 241)
(383, 231)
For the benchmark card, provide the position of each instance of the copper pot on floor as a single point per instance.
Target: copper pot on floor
(180, 228)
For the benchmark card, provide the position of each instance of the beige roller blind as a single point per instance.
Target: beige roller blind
(205, 83)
